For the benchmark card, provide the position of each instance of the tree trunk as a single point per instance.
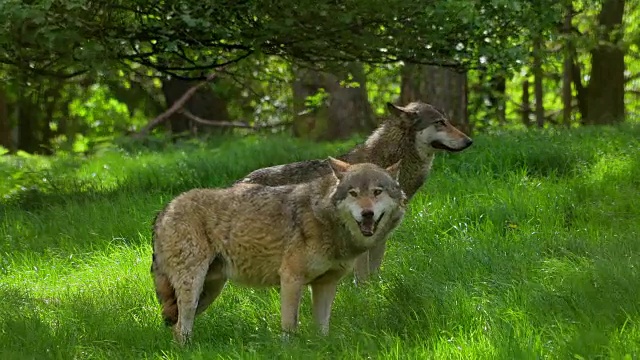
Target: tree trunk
(537, 81)
(581, 90)
(27, 126)
(205, 103)
(498, 97)
(567, 96)
(441, 87)
(5, 124)
(605, 94)
(49, 104)
(526, 104)
(344, 111)
(26, 117)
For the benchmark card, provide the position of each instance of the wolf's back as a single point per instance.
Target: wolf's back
(293, 173)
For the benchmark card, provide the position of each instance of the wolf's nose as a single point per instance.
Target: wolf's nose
(367, 214)
(468, 142)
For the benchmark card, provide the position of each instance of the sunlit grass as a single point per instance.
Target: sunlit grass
(524, 246)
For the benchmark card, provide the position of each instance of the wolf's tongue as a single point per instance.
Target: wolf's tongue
(366, 226)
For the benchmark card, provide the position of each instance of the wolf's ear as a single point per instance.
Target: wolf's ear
(399, 112)
(394, 170)
(396, 110)
(338, 167)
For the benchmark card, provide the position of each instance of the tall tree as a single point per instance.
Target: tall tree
(567, 80)
(329, 106)
(5, 122)
(497, 96)
(441, 87)
(537, 80)
(526, 104)
(605, 93)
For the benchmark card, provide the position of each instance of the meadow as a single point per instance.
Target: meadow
(524, 246)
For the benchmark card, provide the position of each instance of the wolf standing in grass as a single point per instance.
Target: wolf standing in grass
(291, 236)
(413, 134)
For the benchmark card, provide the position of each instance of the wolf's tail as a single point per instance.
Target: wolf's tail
(166, 294)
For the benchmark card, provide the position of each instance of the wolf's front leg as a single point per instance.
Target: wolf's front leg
(290, 294)
(323, 292)
(369, 263)
(376, 254)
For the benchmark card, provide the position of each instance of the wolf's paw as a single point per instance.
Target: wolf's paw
(287, 337)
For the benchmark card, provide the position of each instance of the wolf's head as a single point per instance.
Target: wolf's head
(431, 127)
(366, 194)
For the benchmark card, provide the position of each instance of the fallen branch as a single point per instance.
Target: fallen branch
(175, 107)
(231, 124)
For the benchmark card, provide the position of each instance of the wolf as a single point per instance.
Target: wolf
(289, 236)
(413, 133)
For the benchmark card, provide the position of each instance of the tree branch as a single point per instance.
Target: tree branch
(232, 124)
(172, 70)
(175, 107)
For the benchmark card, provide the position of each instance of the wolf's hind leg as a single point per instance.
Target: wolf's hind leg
(213, 285)
(188, 293)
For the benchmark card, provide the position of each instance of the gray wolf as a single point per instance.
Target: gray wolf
(413, 134)
(289, 236)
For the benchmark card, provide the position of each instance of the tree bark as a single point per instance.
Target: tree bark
(605, 94)
(49, 104)
(498, 97)
(5, 123)
(567, 95)
(27, 118)
(526, 104)
(345, 110)
(537, 81)
(205, 103)
(441, 87)
(581, 90)
(27, 126)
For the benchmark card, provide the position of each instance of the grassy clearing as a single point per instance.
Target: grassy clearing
(524, 246)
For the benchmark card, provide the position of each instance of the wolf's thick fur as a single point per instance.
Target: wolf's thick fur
(413, 134)
(288, 236)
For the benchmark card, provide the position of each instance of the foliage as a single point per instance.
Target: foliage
(523, 246)
(120, 54)
(188, 37)
(383, 85)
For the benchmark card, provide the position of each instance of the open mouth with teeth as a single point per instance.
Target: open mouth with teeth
(368, 226)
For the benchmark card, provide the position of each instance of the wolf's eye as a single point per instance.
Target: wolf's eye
(377, 192)
(353, 193)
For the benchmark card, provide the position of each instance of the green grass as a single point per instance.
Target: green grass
(524, 246)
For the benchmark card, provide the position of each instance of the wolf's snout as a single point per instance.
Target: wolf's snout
(367, 214)
(367, 224)
(467, 142)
